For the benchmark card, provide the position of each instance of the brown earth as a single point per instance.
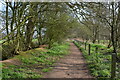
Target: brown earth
(12, 62)
(71, 66)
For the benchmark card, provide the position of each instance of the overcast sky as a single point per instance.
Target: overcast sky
(2, 4)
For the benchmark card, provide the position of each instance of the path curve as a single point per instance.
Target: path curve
(71, 66)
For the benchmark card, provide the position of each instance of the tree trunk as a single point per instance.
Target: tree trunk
(7, 22)
(113, 65)
(13, 20)
(29, 34)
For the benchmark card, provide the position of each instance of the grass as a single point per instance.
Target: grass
(1, 41)
(34, 63)
(99, 63)
(46, 69)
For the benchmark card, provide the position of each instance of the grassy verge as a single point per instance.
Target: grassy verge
(33, 63)
(99, 63)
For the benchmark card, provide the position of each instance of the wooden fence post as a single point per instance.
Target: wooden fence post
(113, 65)
(96, 49)
(85, 45)
(89, 49)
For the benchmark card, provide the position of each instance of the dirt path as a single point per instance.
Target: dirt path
(71, 66)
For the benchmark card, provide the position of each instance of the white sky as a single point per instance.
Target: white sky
(1, 4)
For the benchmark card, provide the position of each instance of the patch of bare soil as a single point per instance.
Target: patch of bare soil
(12, 61)
(43, 46)
(71, 66)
